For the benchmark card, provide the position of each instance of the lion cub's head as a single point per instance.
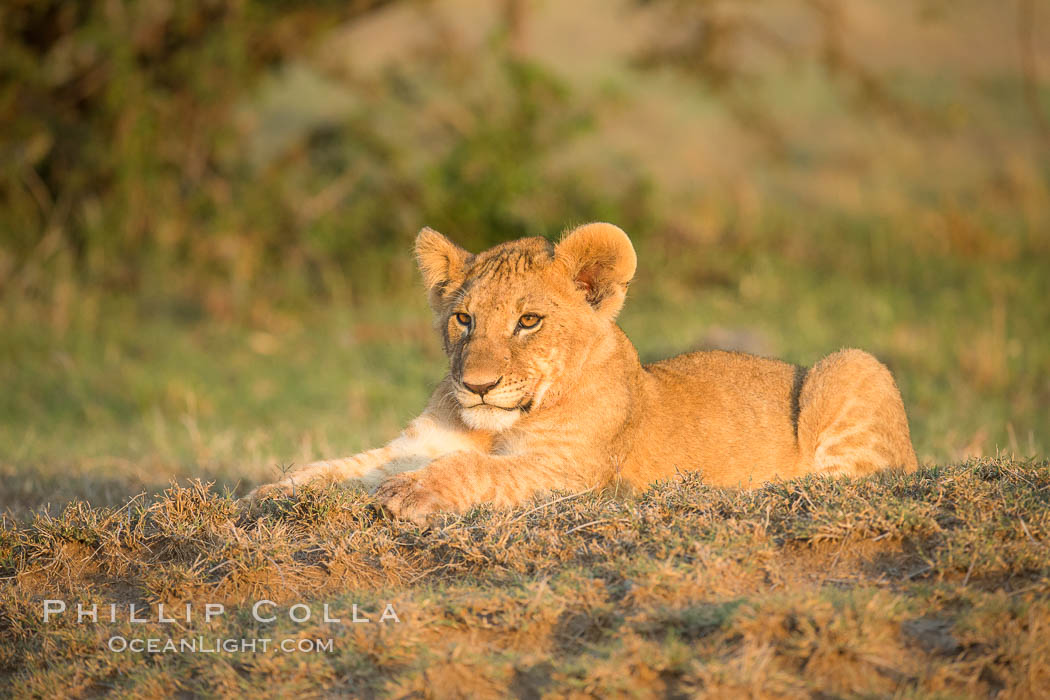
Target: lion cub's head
(519, 320)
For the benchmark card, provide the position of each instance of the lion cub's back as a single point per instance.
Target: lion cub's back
(730, 414)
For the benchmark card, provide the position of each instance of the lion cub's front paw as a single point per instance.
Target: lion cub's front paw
(316, 475)
(412, 496)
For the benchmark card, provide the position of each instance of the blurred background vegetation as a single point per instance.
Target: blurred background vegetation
(206, 209)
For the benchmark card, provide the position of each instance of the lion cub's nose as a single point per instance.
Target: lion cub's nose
(481, 388)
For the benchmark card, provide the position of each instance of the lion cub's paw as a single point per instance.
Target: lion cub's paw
(285, 487)
(411, 496)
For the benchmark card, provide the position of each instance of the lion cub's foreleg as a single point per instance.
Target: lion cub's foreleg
(851, 418)
(426, 438)
(456, 482)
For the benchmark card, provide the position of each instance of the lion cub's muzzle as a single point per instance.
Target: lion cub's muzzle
(507, 395)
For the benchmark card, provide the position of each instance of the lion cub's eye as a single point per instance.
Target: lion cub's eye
(463, 319)
(529, 321)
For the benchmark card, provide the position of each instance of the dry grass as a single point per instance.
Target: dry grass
(936, 583)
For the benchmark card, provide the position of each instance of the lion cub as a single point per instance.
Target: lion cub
(545, 392)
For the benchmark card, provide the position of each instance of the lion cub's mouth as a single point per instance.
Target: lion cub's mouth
(487, 416)
(524, 406)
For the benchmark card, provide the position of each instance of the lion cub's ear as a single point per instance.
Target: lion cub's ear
(602, 262)
(442, 263)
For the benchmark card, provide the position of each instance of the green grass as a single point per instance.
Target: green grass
(140, 399)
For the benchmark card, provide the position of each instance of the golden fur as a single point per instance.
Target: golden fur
(545, 392)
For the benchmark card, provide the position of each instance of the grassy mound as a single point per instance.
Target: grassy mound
(930, 583)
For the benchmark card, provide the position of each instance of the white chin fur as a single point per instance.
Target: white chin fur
(489, 418)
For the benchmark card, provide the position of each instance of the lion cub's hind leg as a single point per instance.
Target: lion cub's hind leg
(851, 418)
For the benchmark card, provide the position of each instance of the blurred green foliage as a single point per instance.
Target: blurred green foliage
(124, 166)
(206, 210)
